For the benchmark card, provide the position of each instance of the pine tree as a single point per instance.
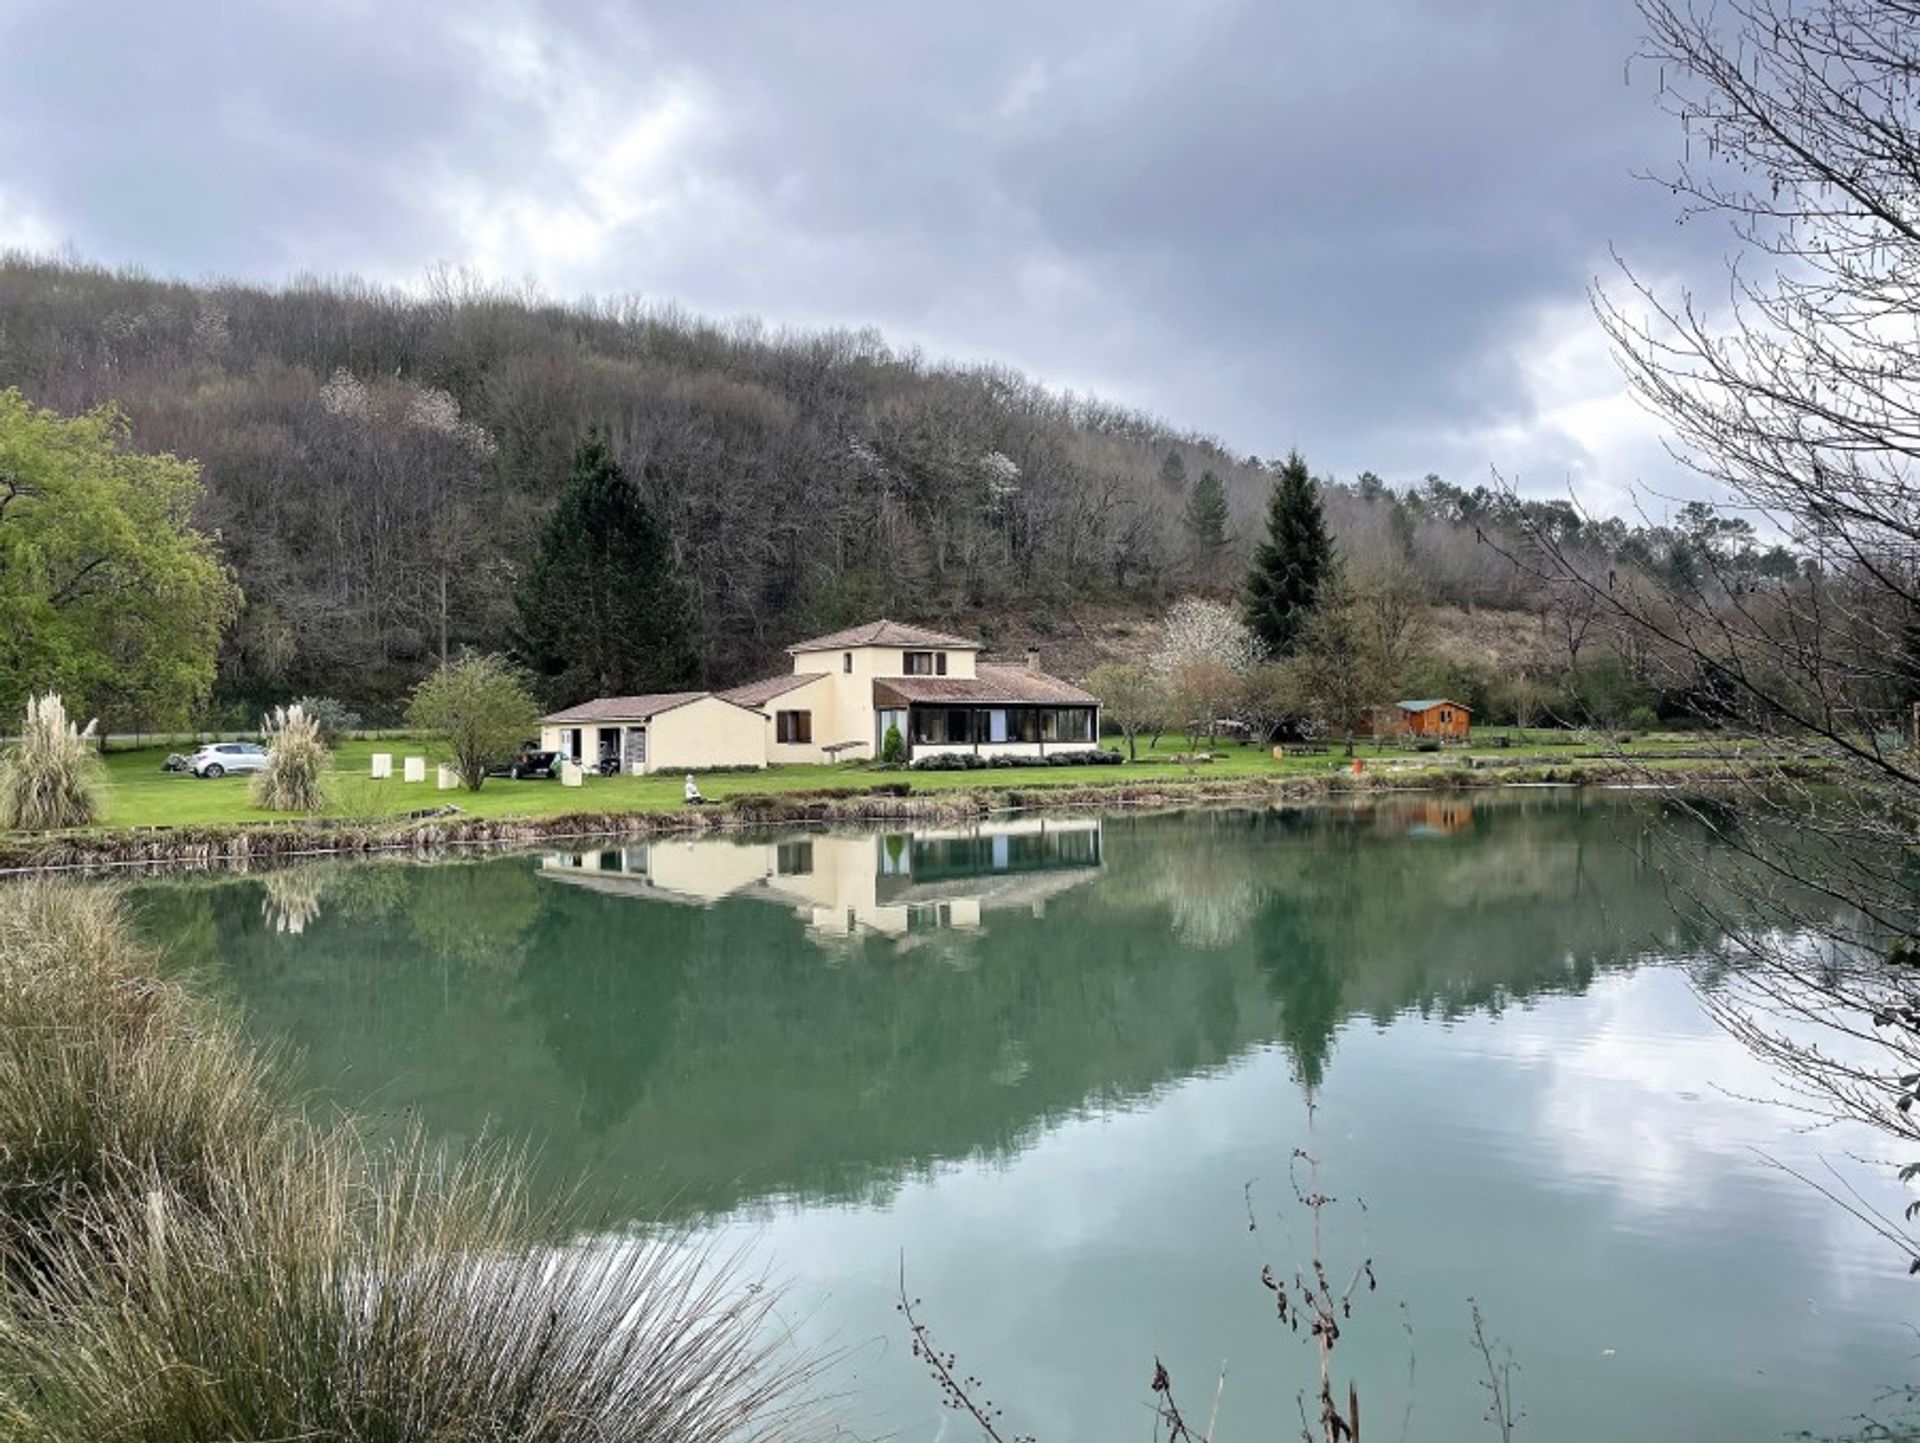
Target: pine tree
(602, 611)
(1293, 563)
(1206, 520)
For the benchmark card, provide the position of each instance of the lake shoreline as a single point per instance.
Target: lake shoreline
(239, 846)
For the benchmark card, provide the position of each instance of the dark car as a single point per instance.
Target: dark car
(528, 764)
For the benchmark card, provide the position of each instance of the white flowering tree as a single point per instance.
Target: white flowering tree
(1205, 650)
(1198, 629)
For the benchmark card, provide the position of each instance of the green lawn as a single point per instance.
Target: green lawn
(141, 795)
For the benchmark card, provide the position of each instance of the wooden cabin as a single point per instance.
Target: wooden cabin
(1437, 717)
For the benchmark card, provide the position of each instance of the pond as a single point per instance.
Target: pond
(1050, 1067)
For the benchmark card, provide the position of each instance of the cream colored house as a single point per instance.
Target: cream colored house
(845, 690)
(852, 884)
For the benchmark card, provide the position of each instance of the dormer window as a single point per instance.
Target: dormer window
(926, 663)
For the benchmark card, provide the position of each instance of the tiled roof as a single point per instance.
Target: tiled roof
(884, 633)
(995, 685)
(623, 708)
(1429, 703)
(759, 693)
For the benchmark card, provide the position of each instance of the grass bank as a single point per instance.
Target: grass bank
(532, 813)
(184, 1259)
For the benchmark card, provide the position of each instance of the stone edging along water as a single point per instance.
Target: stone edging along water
(241, 845)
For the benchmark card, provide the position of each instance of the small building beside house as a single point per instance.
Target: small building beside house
(1435, 716)
(844, 693)
(662, 732)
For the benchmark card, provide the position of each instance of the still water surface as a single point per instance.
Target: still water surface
(1046, 1064)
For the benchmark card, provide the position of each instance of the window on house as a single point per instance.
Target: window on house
(846, 661)
(793, 726)
(925, 663)
(793, 859)
(941, 726)
(1067, 724)
(1024, 725)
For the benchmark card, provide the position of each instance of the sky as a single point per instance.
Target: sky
(1368, 231)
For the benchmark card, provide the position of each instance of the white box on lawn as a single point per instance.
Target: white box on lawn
(416, 769)
(446, 779)
(382, 766)
(572, 774)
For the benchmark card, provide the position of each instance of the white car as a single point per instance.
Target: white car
(216, 759)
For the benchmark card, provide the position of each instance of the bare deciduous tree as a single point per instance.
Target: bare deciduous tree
(1800, 397)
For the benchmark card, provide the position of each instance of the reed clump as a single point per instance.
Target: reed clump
(51, 776)
(182, 1261)
(297, 757)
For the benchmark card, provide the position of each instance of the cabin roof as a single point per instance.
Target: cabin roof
(1429, 703)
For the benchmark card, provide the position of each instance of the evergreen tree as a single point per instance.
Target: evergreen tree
(1206, 520)
(602, 612)
(1173, 472)
(1293, 563)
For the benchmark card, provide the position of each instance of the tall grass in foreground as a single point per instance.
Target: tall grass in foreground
(296, 762)
(384, 1298)
(112, 1081)
(51, 776)
(182, 1262)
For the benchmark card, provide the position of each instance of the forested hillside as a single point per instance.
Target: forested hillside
(378, 465)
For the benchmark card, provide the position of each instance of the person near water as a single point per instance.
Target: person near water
(694, 798)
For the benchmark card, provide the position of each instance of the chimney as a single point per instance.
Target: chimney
(1033, 659)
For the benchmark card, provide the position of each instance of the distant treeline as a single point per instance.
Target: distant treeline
(378, 464)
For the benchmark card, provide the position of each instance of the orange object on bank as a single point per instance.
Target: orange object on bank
(1358, 766)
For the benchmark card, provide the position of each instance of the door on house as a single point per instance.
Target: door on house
(636, 749)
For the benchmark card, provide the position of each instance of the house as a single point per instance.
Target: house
(1427, 717)
(845, 691)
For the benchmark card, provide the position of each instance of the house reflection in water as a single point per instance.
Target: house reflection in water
(889, 884)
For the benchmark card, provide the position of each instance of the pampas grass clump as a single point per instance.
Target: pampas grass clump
(51, 776)
(296, 761)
